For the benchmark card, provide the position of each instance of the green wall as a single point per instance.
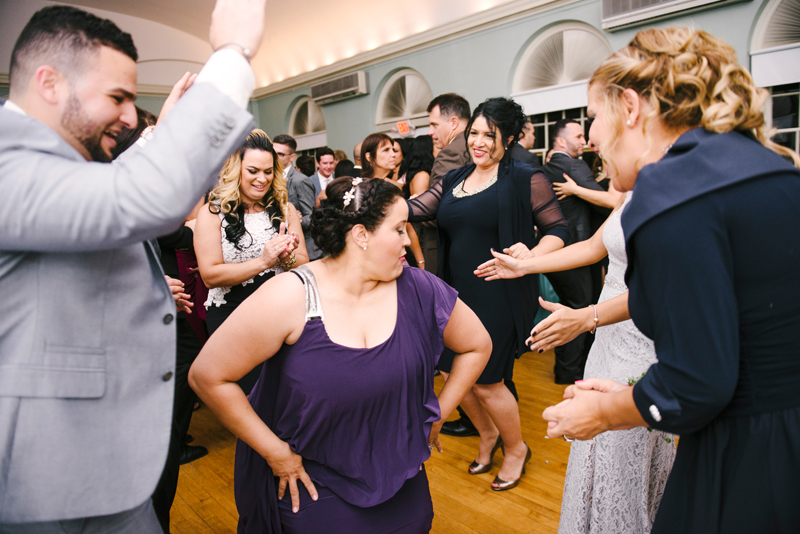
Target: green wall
(481, 65)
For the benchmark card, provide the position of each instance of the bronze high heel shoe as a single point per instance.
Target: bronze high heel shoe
(476, 469)
(503, 485)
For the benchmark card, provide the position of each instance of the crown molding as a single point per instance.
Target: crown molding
(456, 29)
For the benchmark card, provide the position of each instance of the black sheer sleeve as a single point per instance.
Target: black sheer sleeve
(547, 215)
(425, 207)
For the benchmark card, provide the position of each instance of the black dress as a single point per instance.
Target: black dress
(714, 276)
(498, 217)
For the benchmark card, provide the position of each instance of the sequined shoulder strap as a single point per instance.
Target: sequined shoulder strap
(313, 306)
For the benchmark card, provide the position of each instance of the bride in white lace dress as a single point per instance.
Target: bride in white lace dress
(615, 481)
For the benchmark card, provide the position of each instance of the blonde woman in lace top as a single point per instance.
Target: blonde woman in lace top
(247, 233)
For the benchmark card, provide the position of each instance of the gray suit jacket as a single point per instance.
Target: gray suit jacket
(87, 335)
(301, 194)
(453, 156)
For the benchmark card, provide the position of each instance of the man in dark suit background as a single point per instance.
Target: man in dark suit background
(574, 287)
(521, 149)
(299, 186)
(325, 165)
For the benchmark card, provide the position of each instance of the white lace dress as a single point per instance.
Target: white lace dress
(259, 232)
(615, 481)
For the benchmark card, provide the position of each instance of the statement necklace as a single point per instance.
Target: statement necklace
(458, 191)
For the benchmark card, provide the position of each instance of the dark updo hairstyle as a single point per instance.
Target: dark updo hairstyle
(331, 222)
(504, 114)
(370, 145)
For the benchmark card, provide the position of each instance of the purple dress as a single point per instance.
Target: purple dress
(360, 418)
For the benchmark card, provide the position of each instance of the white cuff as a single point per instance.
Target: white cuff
(229, 71)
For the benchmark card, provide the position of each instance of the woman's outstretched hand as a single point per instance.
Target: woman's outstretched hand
(565, 189)
(288, 466)
(561, 326)
(501, 267)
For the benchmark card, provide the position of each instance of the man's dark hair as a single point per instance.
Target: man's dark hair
(287, 140)
(305, 164)
(323, 151)
(451, 105)
(346, 168)
(60, 36)
(527, 122)
(558, 129)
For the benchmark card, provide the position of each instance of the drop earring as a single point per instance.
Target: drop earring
(364, 246)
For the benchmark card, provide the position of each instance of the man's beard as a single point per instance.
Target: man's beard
(88, 133)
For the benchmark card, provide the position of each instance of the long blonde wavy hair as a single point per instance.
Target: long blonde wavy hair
(690, 79)
(226, 198)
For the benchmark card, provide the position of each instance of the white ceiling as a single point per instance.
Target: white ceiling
(302, 36)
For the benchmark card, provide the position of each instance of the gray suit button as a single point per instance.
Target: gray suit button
(168, 318)
(230, 123)
(216, 141)
(167, 377)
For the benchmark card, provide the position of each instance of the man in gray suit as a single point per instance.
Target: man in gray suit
(300, 188)
(87, 338)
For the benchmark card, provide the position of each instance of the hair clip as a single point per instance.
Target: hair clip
(350, 195)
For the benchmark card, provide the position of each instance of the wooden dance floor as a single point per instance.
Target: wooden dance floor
(462, 503)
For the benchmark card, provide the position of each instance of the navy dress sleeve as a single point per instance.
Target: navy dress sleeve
(690, 311)
(547, 215)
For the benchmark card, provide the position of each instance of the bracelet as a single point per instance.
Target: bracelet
(245, 51)
(595, 320)
(420, 262)
(288, 264)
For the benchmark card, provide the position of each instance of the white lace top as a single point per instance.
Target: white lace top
(259, 231)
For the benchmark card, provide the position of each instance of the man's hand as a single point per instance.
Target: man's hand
(238, 21)
(182, 301)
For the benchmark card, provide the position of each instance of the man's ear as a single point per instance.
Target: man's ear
(48, 83)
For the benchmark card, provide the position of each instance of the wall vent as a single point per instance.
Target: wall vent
(354, 84)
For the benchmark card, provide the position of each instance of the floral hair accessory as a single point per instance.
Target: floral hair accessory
(350, 195)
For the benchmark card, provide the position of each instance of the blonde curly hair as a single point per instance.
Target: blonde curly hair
(690, 79)
(225, 198)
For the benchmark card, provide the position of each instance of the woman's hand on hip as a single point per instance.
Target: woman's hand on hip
(433, 439)
(288, 466)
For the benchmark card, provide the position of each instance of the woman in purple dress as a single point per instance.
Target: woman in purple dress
(344, 414)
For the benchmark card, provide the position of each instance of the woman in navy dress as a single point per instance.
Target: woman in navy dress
(714, 256)
(344, 414)
(494, 203)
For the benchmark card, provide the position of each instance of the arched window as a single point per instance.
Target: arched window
(405, 97)
(307, 125)
(550, 80)
(775, 63)
(562, 55)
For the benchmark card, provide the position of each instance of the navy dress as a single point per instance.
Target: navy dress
(713, 241)
(360, 418)
(498, 217)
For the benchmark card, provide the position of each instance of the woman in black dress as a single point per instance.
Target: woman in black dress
(713, 258)
(494, 203)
